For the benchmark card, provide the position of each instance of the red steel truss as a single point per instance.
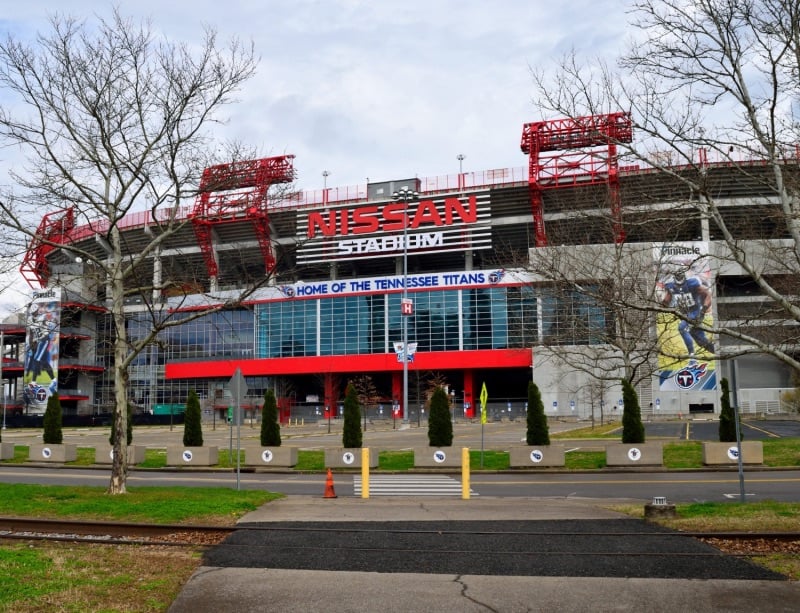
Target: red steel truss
(237, 192)
(53, 230)
(564, 153)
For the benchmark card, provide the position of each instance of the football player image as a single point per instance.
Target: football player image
(692, 298)
(42, 330)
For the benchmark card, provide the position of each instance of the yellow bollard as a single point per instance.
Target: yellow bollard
(465, 473)
(365, 472)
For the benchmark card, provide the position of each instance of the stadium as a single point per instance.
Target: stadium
(406, 281)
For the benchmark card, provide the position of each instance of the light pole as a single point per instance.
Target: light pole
(405, 196)
(325, 175)
(460, 157)
(2, 384)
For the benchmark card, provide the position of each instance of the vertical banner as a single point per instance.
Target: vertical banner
(685, 283)
(42, 328)
(407, 355)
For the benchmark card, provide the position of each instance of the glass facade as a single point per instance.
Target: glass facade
(572, 318)
(446, 320)
(449, 320)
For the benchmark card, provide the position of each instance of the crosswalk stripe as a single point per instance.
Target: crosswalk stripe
(410, 485)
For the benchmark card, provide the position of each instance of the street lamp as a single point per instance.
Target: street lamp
(405, 196)
(325, 175)
(2, 385)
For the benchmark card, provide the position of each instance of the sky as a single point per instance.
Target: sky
(381, 90)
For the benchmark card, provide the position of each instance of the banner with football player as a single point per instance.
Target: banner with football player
(685, 284)
(40, 373)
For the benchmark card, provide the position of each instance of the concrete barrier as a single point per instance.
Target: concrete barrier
(65, 452)
(192, 456)
(284, 457)
(343, 457)
(536, 456)
(104, 454)
(6, 451)
(643, 454)
(715, 454)
(437, 457)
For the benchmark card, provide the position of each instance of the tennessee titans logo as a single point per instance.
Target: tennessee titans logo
(287, 290)
(37, 393)
(687, 377)
(497, 276)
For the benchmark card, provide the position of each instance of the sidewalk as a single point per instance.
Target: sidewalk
(277, 589)
(399, 508)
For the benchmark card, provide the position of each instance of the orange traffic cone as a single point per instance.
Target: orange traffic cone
(329, 491)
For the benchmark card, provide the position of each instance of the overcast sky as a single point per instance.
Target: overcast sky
(387, 89)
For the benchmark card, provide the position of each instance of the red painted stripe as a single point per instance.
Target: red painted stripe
(380, 362)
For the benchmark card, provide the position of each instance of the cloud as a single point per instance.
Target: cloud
(385, 90)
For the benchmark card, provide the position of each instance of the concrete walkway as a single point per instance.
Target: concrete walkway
(275, 589)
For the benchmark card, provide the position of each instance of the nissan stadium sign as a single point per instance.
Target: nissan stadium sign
(382, 230)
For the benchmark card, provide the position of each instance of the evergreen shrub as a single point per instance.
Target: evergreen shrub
(538, 432)
(351, 431)
(192, 424)
(440, 425)
(270, 428)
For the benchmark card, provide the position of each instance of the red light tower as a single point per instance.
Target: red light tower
(237, 192)
(563, 153)
(55, 227)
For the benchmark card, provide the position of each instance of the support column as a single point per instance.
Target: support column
(397, 393)
(469, 394)
(330, 395)
(157, 275)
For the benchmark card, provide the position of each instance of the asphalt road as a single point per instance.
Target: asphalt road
(634, 484)
(639, 486)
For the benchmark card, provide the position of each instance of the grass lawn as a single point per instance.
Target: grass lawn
(142, 504)
(77, 577)
(763, 516)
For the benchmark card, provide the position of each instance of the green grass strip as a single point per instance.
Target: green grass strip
(141, 504)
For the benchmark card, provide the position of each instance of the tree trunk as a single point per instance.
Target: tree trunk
(119, 465)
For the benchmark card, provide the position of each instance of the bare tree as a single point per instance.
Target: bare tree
(112, 120)
(597, 319)
(368, 396)
(710, 86)
(434, 380)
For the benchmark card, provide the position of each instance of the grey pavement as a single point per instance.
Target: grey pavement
(278, 589)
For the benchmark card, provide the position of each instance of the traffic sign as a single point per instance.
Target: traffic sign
(484, 396)
(238, 386)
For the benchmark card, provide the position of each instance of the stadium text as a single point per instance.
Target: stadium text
(391, 217)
